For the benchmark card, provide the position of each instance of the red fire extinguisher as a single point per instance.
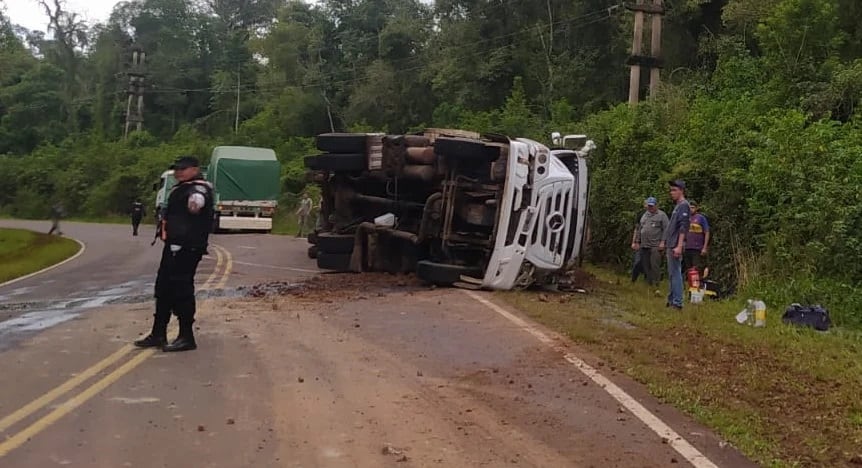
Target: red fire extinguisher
(693, 278)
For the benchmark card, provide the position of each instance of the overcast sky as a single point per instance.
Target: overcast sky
(29, 14)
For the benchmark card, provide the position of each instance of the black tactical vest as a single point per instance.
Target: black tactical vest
(181, 226)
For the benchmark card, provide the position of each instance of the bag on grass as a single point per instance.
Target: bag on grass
(814, 316)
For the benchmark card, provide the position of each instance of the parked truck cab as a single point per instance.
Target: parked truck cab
(163, 189)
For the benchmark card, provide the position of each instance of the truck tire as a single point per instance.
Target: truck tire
(312, 238)
(466, 148)
(349, 162)
(443, 274)
(335, 243)
(312, 252)
(332, 261)
(342, 142)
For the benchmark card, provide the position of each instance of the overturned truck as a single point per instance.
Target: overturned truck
(456, 207)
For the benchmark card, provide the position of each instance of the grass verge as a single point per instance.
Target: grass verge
(784, 396)
(23, 252)
(287, 224)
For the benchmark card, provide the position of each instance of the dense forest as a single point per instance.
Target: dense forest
(757, 109)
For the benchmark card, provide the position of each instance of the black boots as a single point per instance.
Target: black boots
(158, 337)
(152, 341)
(182, 343)
(186, 339)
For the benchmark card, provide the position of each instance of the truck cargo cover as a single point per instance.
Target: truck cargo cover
(240, 173)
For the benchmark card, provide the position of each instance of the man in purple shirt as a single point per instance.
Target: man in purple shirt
(697, 240)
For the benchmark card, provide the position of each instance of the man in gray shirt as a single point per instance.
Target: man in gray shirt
(674, 241)
(648, 237)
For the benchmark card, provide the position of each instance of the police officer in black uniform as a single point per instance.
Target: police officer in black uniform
(138, 214)
(185, 230)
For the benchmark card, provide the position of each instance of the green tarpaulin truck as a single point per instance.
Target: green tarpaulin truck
(247, 183)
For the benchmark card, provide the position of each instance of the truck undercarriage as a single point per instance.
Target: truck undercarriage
(456, 207)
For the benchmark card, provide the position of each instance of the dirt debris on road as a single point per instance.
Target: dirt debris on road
(428, 369)
(337, 286)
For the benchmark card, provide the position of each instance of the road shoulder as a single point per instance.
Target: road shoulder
(24, 253)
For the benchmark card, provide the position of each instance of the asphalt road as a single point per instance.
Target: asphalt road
(349, 373)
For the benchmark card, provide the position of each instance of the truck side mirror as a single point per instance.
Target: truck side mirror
(155, 187)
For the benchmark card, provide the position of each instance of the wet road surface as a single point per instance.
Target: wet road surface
(352, 373)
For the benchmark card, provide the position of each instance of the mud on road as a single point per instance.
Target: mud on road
(376, 369)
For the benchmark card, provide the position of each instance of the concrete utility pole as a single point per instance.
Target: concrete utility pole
(637, 49)
(655, 49)
(236, 121)
(637, 59)
(137, 73)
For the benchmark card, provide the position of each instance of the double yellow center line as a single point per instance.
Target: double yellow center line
(218, 278)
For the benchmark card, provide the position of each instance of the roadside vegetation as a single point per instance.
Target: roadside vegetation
(23, 252)
(758, 111)
(784, 396)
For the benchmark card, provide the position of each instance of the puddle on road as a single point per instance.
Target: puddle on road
(36, 316)
(114, 291)
(16, 292)
(34, 321)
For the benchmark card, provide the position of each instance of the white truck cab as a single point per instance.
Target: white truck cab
(549, 222)
(163, 189)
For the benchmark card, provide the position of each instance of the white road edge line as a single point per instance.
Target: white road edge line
(300, 270)
(56, 265)
(682, 446)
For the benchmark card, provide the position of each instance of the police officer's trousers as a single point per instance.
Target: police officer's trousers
(175, 289)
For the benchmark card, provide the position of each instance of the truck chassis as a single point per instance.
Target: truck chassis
(456, 207)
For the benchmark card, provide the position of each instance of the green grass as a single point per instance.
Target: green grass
(23, 252)
(287, 224)
(784, 396)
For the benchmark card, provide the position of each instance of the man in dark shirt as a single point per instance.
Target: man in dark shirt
(637, 266)
(138, 214)
(674, 241)
(185, 229)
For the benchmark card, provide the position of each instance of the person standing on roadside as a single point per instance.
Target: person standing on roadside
(637, 269)
(185, 230)
(138, 214)
(303, 212)
(674, 241)
(57, 213)
(647, 239)
(697, 240)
